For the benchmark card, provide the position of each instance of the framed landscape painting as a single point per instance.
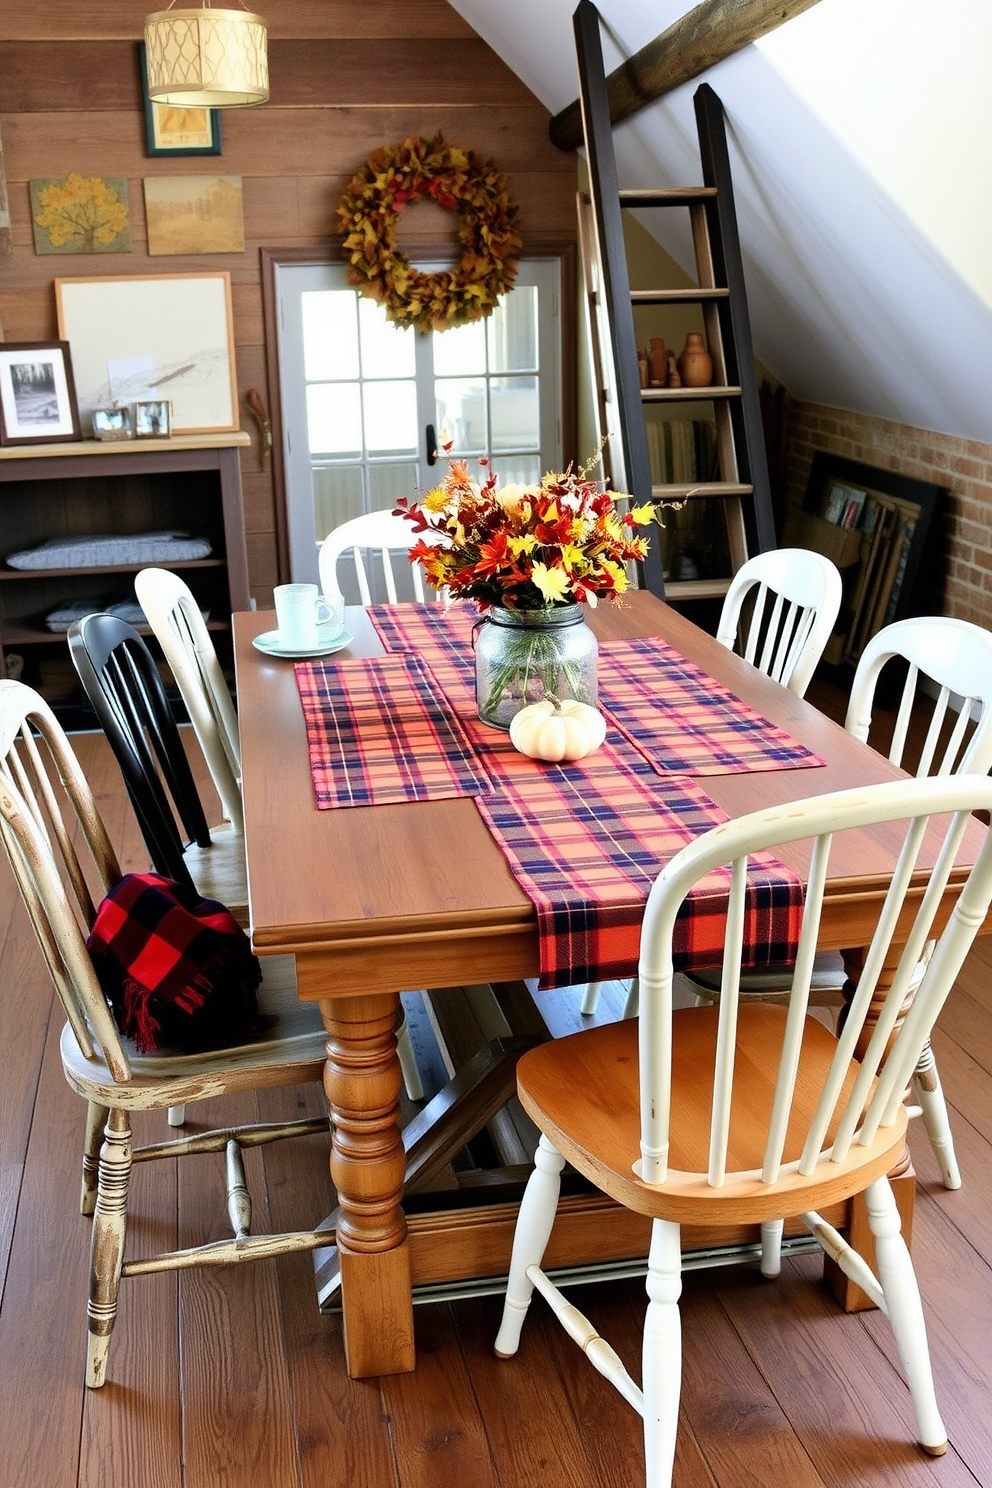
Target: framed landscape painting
(153, 338)
(37, 398)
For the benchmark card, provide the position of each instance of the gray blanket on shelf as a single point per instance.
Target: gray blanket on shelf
(100, 551)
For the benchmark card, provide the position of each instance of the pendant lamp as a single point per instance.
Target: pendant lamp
(207, 58)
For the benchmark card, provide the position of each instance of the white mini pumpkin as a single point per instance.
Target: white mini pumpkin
(552, 730)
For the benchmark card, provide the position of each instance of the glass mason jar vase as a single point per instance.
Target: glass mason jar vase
(522, 656)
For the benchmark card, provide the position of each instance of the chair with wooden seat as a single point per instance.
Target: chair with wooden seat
(779, 612)
(63, 863)
(952, 659)
(178, 625)
(741, 1113)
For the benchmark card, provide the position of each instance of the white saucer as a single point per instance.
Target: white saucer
(268, 644)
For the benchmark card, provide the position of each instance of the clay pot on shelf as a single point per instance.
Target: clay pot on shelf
(695, 364)
(657, 362)
(642, 367)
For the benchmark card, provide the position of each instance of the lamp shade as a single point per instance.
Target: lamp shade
(207, 58)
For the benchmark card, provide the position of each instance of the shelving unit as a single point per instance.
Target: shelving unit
(191, 483)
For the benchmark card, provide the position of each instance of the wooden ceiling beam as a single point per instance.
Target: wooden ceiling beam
(703, 37)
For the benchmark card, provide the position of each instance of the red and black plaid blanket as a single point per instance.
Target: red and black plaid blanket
(586, 840)
(178, 970)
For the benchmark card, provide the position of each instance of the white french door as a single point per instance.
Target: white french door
(365, 404)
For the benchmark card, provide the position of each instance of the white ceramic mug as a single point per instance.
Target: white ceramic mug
(300, 609)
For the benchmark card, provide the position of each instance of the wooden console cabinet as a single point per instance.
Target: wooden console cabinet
(190, 483)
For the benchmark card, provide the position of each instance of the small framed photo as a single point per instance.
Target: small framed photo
(113, 423)
(153, 420)
(174, 130)
(37, 393)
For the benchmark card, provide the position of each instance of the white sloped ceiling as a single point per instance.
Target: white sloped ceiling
(864, 198)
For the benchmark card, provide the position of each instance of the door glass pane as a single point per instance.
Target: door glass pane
(513, 332)
(390, 417)
(387, 350)
(388, 482)
(330, 334)
(461, 413)
(337, 496)
(334, 419)
(460, 351)
(518, 470)
(515, 413)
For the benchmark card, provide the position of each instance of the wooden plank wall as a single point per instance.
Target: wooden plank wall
(345, 79)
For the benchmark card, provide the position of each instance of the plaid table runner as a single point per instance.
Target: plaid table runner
(382, 731)
(683, 720)
(586, 840)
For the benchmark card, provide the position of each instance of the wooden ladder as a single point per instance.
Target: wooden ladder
(742, 487)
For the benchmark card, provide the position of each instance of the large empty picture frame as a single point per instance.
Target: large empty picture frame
(153, 337)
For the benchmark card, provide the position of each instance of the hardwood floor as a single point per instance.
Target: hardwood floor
(232, 1377)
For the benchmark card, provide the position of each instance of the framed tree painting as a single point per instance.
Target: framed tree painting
(153, 338)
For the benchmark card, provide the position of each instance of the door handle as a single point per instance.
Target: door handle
(431, 438)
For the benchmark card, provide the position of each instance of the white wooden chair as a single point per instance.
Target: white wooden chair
(955, 658)
(178, 626)
(795, 596)
(749, 1111)
(47, 811)
(375, 532)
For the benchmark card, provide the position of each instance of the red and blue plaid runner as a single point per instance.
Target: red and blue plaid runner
(382, 731)
(683, 720)
(587, 840)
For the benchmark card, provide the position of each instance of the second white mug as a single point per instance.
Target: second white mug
(300, 609)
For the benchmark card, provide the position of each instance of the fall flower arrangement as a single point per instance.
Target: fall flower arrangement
(559, 542)
(477, 191)
(530, 557)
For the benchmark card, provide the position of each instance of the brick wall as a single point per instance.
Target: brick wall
(963, 467)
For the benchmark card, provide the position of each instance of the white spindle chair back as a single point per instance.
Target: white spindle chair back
(795, 596)
(376, 532)
(853, 1111)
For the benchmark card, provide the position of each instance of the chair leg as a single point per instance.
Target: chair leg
(96, 1120)
(530, 1239)
(633, 1002)
(902, 1300)
(177, 1115)
(590, 998)
(107, 1246)
(933, 1107)
(408, 1060)
(661, 1366)
(771, 1248)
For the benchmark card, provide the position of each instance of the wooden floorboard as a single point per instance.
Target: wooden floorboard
(233, 1377)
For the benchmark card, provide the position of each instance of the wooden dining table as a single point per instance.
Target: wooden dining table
(373, 901)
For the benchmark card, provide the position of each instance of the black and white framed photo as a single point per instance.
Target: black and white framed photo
(153, 419)
(37, 393)
(113, 423)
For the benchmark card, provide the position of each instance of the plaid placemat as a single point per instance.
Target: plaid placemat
(683, 720)
(586, 840)
(382, 731)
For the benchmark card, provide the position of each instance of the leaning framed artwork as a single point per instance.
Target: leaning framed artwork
(172, 130)
(37, 397)
(153, 337)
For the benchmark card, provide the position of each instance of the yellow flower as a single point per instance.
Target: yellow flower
(553, 583)
(642, 514)
(524, 544)
(511, 498)
(436, 499)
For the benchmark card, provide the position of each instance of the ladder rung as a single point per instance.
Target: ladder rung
(677, 491)
(690, 296)
(686, 395)
(696, 588)
(675, 196)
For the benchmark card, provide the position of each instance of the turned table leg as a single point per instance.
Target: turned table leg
(362, 1080)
